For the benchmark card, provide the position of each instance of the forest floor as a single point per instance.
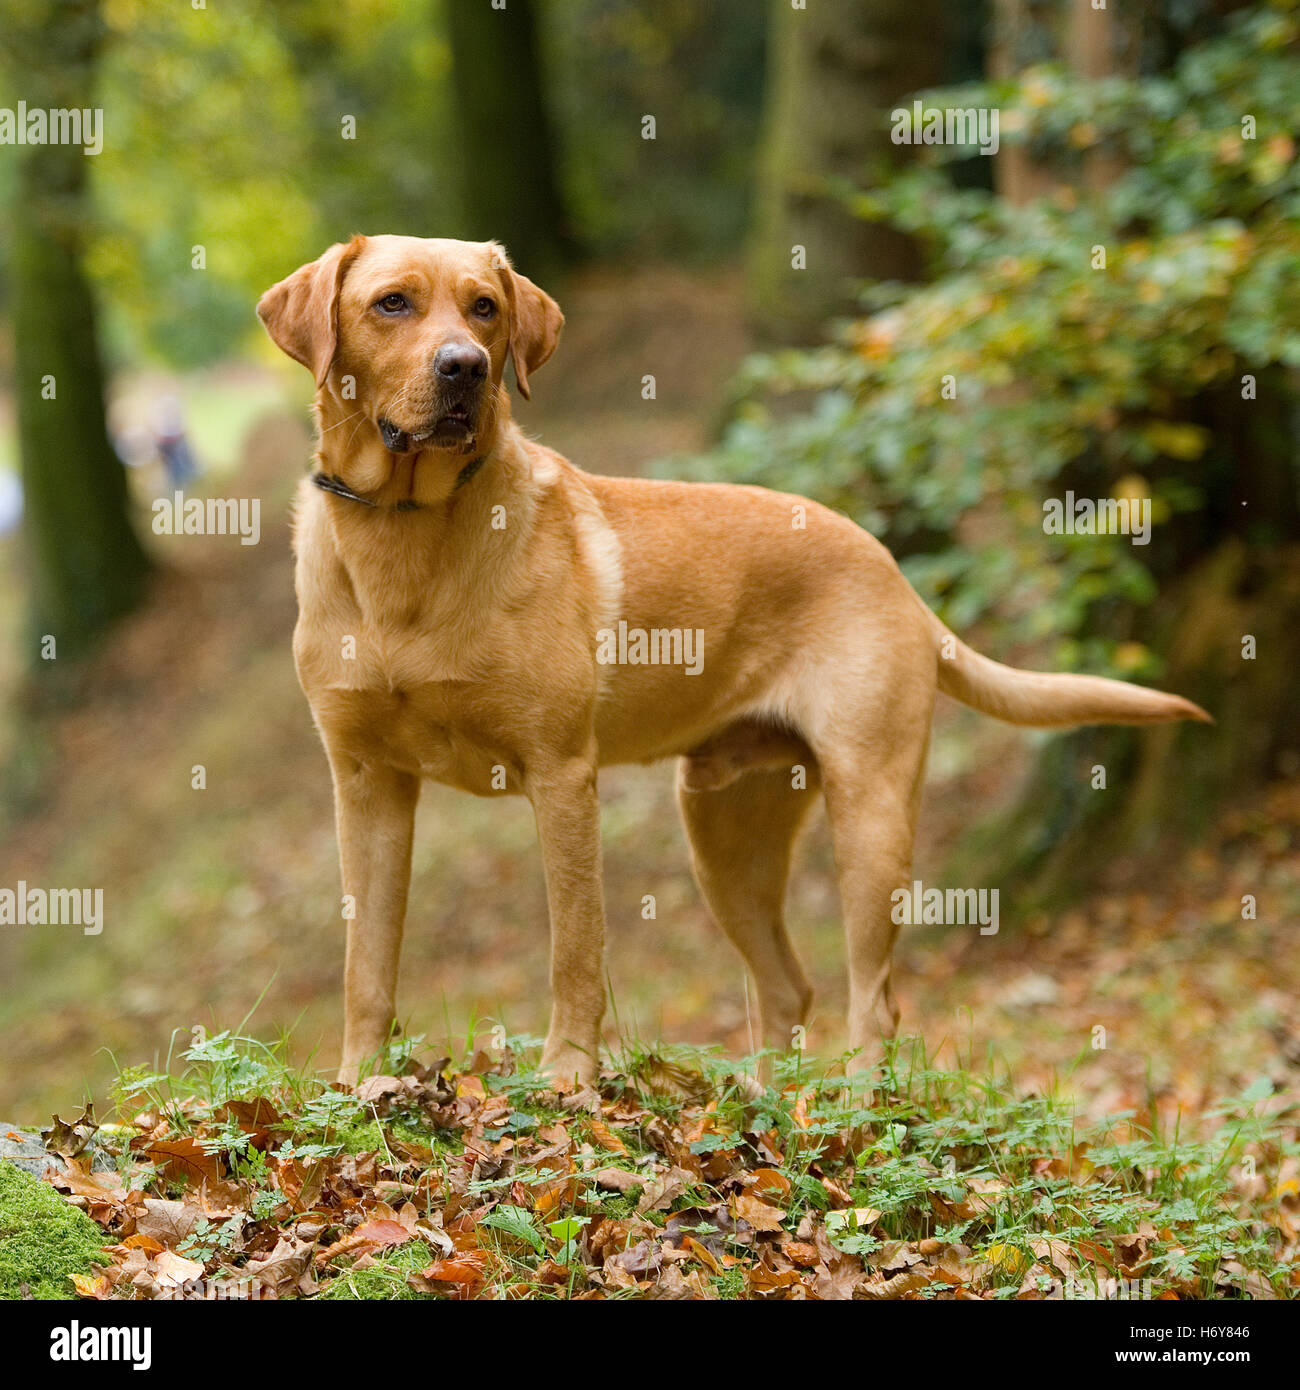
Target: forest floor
(221, 904)
(237, 1176)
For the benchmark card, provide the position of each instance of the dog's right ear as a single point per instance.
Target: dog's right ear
(301, 313)
(535, 320)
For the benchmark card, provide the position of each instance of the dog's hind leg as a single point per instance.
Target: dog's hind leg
(741, 838)
(872, 804)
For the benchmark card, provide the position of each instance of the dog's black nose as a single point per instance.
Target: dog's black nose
(461, 362)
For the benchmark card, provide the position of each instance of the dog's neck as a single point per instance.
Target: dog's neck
(333, 484)
(429, 556)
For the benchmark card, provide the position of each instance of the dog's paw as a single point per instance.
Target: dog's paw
(570, 1070)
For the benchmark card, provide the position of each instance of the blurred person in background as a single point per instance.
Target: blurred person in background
(172, 442)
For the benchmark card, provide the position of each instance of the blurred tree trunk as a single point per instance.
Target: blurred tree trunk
(836, 70)
(88, 565)
(1093, 43)
(1020, 36)
(504, 137)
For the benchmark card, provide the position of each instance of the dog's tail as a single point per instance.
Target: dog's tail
(1047, 701)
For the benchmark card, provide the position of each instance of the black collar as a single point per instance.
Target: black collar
(331, 482)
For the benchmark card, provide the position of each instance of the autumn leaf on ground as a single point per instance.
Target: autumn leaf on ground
(184, 1158)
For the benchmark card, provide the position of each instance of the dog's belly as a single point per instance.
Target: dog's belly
(480, 732)
(424, 731)
(420, 734)
(648, 713)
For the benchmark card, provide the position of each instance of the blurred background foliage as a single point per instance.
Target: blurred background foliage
(230, 118)
(1118, 316)
(800, 287)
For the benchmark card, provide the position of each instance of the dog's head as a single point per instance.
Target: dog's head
(407, 339)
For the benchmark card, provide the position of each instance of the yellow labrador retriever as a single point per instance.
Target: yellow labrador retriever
(476, 610)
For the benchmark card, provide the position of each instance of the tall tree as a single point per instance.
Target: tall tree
(503, 133)
(835, 70)
(88, 565)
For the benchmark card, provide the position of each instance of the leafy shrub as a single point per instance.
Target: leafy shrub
(1057, 366)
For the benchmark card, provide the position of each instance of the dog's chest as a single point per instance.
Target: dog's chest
(407, 696)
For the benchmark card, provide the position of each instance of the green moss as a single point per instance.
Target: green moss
(384, 1281)
(366, 1137)
(43, 1240)
(617, 1205)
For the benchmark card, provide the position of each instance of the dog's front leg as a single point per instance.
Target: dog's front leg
(375, 811)
(568, 824)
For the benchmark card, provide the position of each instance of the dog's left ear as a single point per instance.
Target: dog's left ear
(535, 322)
(301, 313)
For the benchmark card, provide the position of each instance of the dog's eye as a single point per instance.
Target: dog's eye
(484, 307)
(392, 304)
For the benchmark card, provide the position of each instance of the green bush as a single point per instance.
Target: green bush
(1056, 365)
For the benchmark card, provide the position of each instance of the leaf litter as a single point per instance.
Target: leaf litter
(677, 1178)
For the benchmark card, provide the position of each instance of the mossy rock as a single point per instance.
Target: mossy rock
(24, 1149)
(43, 1240)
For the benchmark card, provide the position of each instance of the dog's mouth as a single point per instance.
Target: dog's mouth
(453, 429)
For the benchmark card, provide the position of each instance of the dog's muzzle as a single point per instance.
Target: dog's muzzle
(455, 429)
